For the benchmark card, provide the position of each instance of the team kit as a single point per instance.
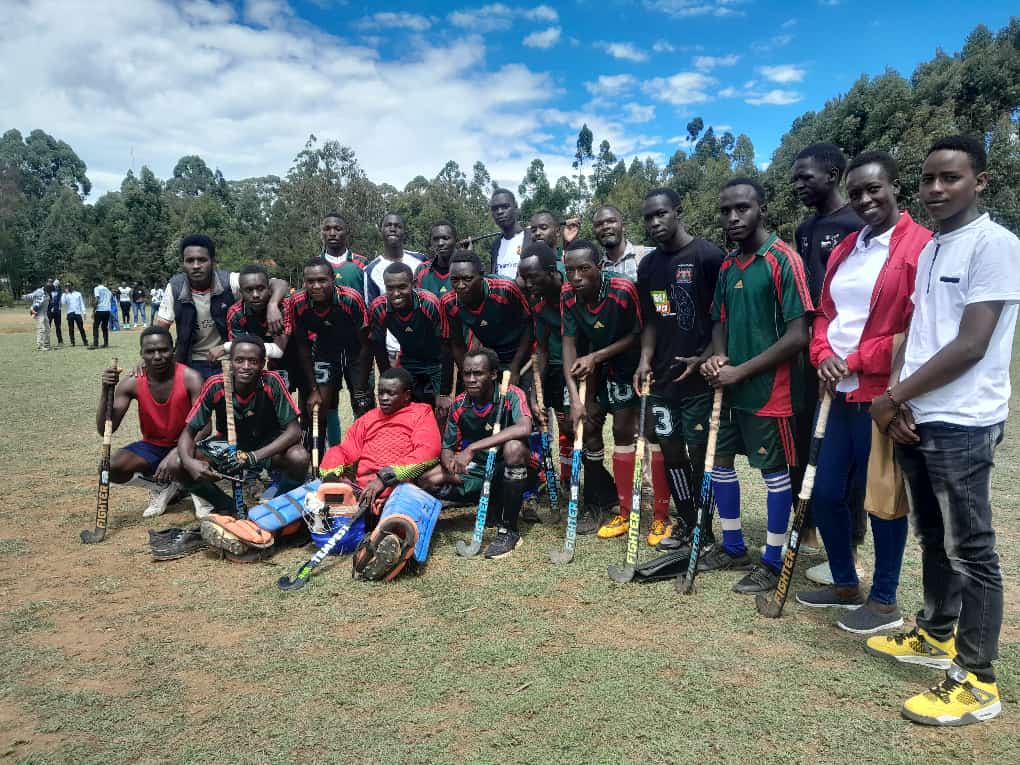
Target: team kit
(862, 370)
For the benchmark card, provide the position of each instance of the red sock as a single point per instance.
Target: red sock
(566, 457)
(660, 486)
(623, 475)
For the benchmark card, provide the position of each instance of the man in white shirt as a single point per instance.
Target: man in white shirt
(945, 408)
(102, 308)
(505, 255)
(155, 299)
(125, 305)
(622, 257)
(74, 308)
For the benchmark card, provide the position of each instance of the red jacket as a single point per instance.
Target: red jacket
(890, 308)
(375, 440)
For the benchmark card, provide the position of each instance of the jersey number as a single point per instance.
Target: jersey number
(663, 420)
(619, 392)
(323, 370)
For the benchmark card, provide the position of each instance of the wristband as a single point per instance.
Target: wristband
(388, 476)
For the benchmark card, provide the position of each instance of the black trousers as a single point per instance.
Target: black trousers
(101, 319)
(72, 320)
(54, 319)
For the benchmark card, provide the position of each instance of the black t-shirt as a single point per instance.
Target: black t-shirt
(817, 236)
(676, 290)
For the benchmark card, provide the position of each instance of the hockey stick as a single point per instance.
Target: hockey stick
(567, 553)
(771, 604)
(240, 509)
(103, 490)
(315, 442)
(685, 582)
(470, 550)
(551, 479)
(625, 574)
(300, 579)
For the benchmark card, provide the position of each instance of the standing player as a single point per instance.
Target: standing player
(622, 257)
(604, 310)
(268, 435)
(493, 308)
(469, 435)
(434, 275)
(393, 232)
(505, 254)
(676, 282)
(817, 176)
(348, 266)
(945, 408)
(198, 298)
(165, 392)
(333, 320)
(543, 280)
(760, 313)
(417, 320)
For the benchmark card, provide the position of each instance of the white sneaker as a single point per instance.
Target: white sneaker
(822, 574)
(159, 499)
(202, 508)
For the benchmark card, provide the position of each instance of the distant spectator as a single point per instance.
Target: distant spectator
(101, 314)
(53, 312)
(125, 305)
(155, 298)
(138, 300)
(74, 307)
(40, 300)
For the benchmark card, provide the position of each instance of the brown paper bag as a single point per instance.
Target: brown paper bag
(887, 495)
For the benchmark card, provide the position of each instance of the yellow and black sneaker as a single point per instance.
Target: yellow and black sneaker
(914, 647)
(960, 699)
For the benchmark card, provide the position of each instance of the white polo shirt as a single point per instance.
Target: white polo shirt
(978, 263)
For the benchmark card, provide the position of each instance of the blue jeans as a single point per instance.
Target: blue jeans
(840, 481)
(948, 475)
(206, 368)
(138, 315)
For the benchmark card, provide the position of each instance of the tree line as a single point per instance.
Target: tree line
(47, 229)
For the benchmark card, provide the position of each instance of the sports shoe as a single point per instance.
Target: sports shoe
(506, 542)
(588, 520)
(162, 537)
(831, 597)
(960, 699)
(759, 579)
(202, 507)
(870, 618)
(659, 531)
(185, 542)
(717, 559)
(822, 574)
(680, 538)
(617, 526)
(529, 511)
(914, 647)
(159, 499)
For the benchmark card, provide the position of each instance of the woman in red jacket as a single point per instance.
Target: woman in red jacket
(865, 302)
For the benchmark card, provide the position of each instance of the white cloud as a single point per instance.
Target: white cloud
(722, 128)
(661, 46)
(782, 73)
(687, 8)
(544, 39)
(623, 51)
(682, 88)
(789, 24)
(638, 112)
(711, 62)
(389, 20)
(611, 84)
(776, 97)
(248, 97)
(497, 16)
(729, 92)
(542, 13)
(266, 13)
(777, 41)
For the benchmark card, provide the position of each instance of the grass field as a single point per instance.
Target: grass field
(107, 656)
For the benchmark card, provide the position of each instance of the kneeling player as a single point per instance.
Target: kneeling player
(268, 434)
(165, 392)
(469, 435)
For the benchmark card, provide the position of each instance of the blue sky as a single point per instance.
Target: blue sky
(410, 85)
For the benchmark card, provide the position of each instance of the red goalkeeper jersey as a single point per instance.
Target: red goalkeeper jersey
(406, 439)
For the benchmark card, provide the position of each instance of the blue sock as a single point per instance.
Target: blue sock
(333, 427)
(727, 501)
(778, 503)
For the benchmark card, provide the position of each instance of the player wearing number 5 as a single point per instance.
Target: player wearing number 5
(604, 310)
(334, 321)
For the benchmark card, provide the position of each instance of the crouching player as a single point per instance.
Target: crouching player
(268, 434)
(164, 391)
(469, 435)
(395, 442)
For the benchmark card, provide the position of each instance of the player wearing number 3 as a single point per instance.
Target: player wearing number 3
(604, 310)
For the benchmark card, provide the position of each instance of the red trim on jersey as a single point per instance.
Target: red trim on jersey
(216, 378)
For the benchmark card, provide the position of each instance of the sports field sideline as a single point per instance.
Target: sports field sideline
(109, 657)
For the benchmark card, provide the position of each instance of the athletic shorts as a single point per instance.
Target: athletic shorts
(554, 388)
(685, 418)
(328, 373)
(350, 366)
(153, 454)
(766, 441)
(428, 381)
(615, 393)
(470, 488)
